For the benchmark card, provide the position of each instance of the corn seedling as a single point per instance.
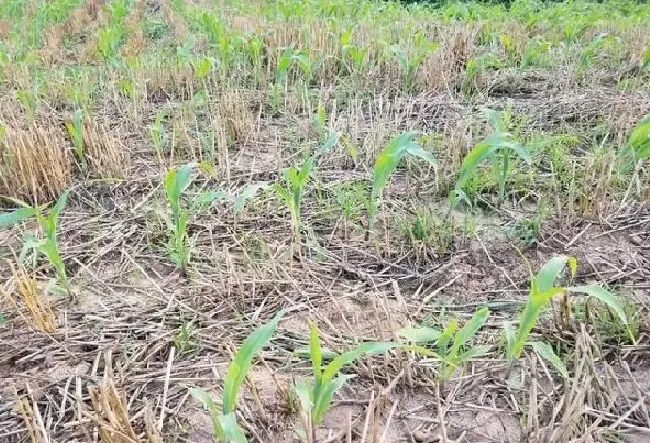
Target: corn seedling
(542, 291)
(315, 394)
(499, 142)
(224, 420)
(75, 130)
(176, 182)
(386, 163)
(47, 246)
(291, 191)
(158, 134)
(451, 342)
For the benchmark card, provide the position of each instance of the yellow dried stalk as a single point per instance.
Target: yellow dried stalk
(110, 408)
(34, 163)
(107, 156)
(37, 305)
(236, 116)
(25, 410)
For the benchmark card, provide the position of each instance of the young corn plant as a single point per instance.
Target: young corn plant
(224, 420)
(48, 245)
(451, 342)
(292, 189)
(500, 142)
(315, 394)
(176, 182)
(386, 163)
(75, 130)
(542, 291)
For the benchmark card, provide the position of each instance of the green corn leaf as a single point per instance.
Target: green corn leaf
(305, 170)
(545, 351)
(60, 205)
(389, 158)
(335, 366)
(420, 335)
(510, 337)
(484, 150)
(422, 350)
(609, 299)
(638, 146)
(469, 330)
(205, 399)
(473, 352)
(291, 176)
(495, 120)
(231, 430)
(13, 217)
(550, 272)
(176, 181)
(246, 194)
(324, 397)
(243, 360)
(315, 352)
(208, 403)
(446, 336)
(536, 302)
(205, 199)
(284, 194)
(386, 163)
(304, 391)
(328, 144)
(417, 151)
(304, 352)
(604, 296)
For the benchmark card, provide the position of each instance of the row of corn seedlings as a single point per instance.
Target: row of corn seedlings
(452, 347)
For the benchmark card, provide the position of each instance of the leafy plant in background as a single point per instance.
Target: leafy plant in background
(157, 132)
(637, 148)
(451, 342)
(224, 419)
(386, 163)
(75, 130)
(315, 394)
(288, 59)
(176, 182)
(473, 70)
(410, 60)
(27, 98)
(645, 58)
(500, 142)
(354, 56)
(533, 54)
(542, 291)
(47, 246)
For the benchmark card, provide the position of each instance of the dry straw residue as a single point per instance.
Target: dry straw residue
(107, 155)
(34, 163)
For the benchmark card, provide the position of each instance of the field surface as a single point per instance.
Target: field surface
(388, 179)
